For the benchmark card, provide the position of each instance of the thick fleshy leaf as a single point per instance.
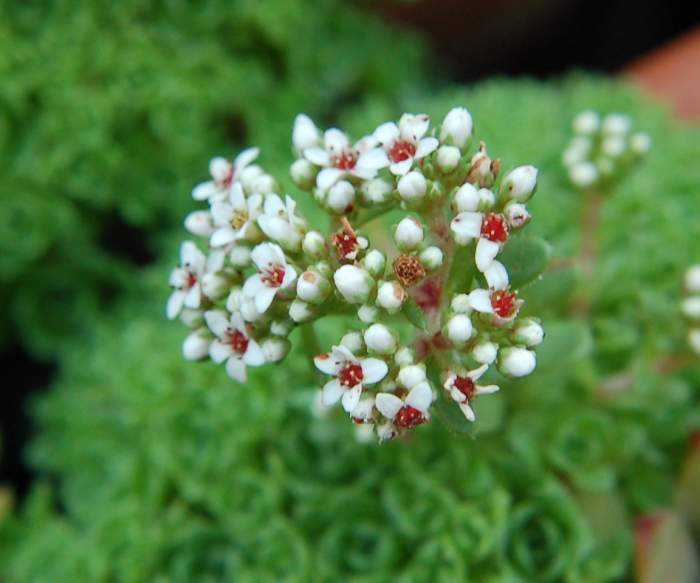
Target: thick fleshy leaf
(565, 342)
(525, 258)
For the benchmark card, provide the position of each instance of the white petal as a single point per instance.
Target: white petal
(245, 158)
(191, 255)
(335, 140)
(222, 237)
(425, 147)
(480, 300)
(468, 411)
(413, 127)
(237, 197)
(215, 261)
(401, 168)
(351, 397)
(290, 276)
(486, 389)
(235, 368)
(374, 159)
(388, 405)
(343, 354)
(273, 204)
(218, 351)
(264, 298)
(387, 133)
(205, 190)
(317, 156)
(253, 355)
(496, 275)
(332, 391)
(467, 225)
(457, 395)
(477, 373)
(194, 296)
(217, 321)
(373, 370)
(253, 285)
(327, 364)
(486, 252)
(175, 303)
(266, 254)
(328, 177)
(420, 397)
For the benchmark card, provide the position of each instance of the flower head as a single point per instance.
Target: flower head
(463, 389)
(232, 345)
(406, 142)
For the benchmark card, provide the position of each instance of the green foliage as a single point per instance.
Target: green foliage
(167, 471)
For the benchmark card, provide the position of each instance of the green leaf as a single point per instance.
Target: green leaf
(565, 342)
(525, 259)
(462, 270)
(414, 314)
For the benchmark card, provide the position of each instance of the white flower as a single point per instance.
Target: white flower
(351, 375)
(300, 311)
(457, 127)
(691, 307)
(281, 223)
(363, 412)
(614, 146)
(196, 345)
(186, 280)
(517, 362)
(368, 314)
(616, 124)
(312, 287)
(530, 332)
(199, 223)
(466, 199)
(405, 142)
(275, 348)
(447, 158)
(408, 234)
(353, 341)
(516, 214)
(459, 329)
(431, 258)
(234, 217)
(503, 302)
(232, 344)
(314, 245)
(404, 356)
(274, 274)
(390, 296)
(341, 197)
(520, 183)
(463, 389)
(692, 279)
(410, 375)
(379, 339)
(640, 143)
(375, 263)
(583, 174)
(223, 174)
(586, 123)
(407, 412)
(338, 158)
(412, 186)
(353, 283)
(376, 191)
(490, 229)
(303, 173)
(485, 352)
(305, 133)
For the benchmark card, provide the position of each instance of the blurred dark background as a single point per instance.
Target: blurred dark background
(471, 40)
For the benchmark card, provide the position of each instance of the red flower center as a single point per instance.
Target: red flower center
(350, 375)
(346, 243)
(408, 417)
(503, 303)
(465, 386)
(346, 161)
(238, 341)
(402, 150)
(191, 280)
(273, 276)
(227, 180)
(494, 228)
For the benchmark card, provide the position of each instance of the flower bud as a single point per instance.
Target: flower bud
(404, 356)
(353, 283)
(281, 327)
(457, 127)
(691, 307)
(248, 176)
(263, 184)
(447, 158)
(431, 258)
(323, 268)
(240, 256)
(353, 342)
(520, 183)
(303, 174)
(341, 197)
(586, 123)
(390, 296)
(275, 349)
(640, 143)
(312, 287)
(248, 310)
(583, 174)
(409, 376)
(314, 245)
(192, 318)
(305, 133)
(214, 285)
(412, 186)
(196, 345)
(368, 314)
(459, 328)
(466, 199)
(614, 146)
(529, 332)
(375, 263)
(408, 234)
(605, 166)
(300, 311)
(487, 199)
(692, 279)
(616, 124)
(199, 223)
(516, 215)
(460, 304)
(379, 339)
(694, 340)
(517, 362)
(578, 151)
(485, 352)
(377, 191)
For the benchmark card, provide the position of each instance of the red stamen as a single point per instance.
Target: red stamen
(494, 228)
(346, 161)
(238, 341)
(409, 417)
(346, 243)
(351, 375)
(504, 303)
(273, 276)
(465, 386)
(191, 280)
(402, 150)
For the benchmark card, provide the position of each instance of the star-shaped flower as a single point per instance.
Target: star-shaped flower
(223, 175)
(186, 280)
(409, 411)
(463, 389)
(232, 344)
(234, 217)
(406, 142)
(503, 303)
(274, 274)
(280, 221)
(491, 230)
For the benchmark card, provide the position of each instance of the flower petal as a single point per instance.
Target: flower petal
(373, 370)
(237, 197)
(496, 275)
(194, 296)
(331, 393)
(374, 159)
(343, 354)
(413, 127)
(477, 373)
(328, 177)
(387, 133)
(175, 303)
(245, 158)
(266, 254)
(467, 225)
(420, 397)
(273, 204)
(351, 397)
(204, 190)
(218, 351)
(253, 285)
(426, 147)
(401, 168)
(217, 321)
(317, 156)
(388, 405)
(254, 355)
(263, 299)
(192, 256)
(235, 368)
(222, 237)
(486, 252)
(327, 364)
(290, 276)
(468, 411)
(486, 389)
(480, 300)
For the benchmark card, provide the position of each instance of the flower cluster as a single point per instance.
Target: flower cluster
(691, 306)
(441, 278)
(602, 147)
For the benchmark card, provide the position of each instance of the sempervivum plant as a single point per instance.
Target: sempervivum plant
(437, 300)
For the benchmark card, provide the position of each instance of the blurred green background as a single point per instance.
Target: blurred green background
(148, 468)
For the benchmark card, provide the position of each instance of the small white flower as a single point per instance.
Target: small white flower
(351, 375)
(466, 199)
(305, 133)
(379, 339)
(640, 143)
(502, 302)
(692, 279)
(390, 296)
(614, 146)
(517, 362)
(485, 352)
(281, 223)
(583, 174)
(463, 389)
(300, 311)
(457, 127)
(274, 274)
(408, 234)
(338, 158)
(490, 229)
(459, 329)
(404, 143)
(447, 158)
(196, 345)
(520, 183)
(234, 217)
(586, 123)
(200, 223)
(312, 287)
(232, 344)
(516, 214)
(616, 124)
(691, 307)
(412, 186)
(341, 197)
(186, 280)
(407, 412)
(353, 283)
(530, 332)
(223, 174)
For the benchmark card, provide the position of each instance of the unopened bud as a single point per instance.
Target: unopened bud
(390, 296)
(404, 356)
(353, 283)
(305, 133)
(303, 174)
(485, 352)
(314, 245)
(312, 287)
(516, 215)
(199, 223)
(520, 183)
(379, 339)
(341, 197)
(354, 342)
(275, 349)
(215, 285)
(368, 314)
(460, 304)
(459, 329)
(691, 307)
(529, 332)
(640, 143)
(409, 376)
(586, 123)
(196, 345)
(300, 311)
(692, 279)
(431, 258)
(408, 234)
(377, 191)
(517, 362)
(583, 174)
(487, 199)
(240, 256)
(457, 127)
(281, 327)
(614, 146)
(447, 158)
(466, 199)
(412, 186)
(616, 123)
(375, 263)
